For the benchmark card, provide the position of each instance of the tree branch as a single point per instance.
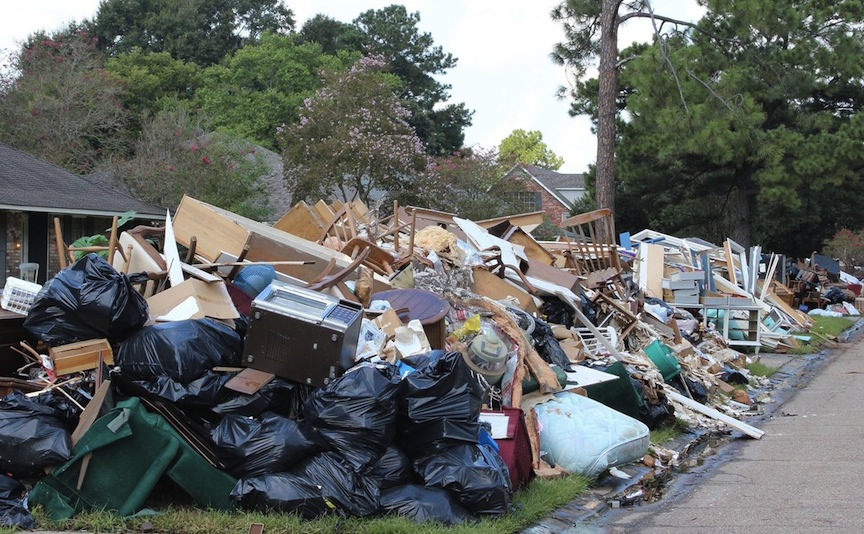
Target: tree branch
(706, 86)
(641, 14)
(661, 46)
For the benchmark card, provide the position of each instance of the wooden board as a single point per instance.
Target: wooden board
(91, 412)
(172, 255)
(651, 269)
(249, 381)
(301, 221)
(489, 285)
(751, 431)
(80, 356)
(214, 231)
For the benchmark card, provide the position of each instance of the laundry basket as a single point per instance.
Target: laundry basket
(18, 295)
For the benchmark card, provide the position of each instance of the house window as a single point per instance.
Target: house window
(526, 201)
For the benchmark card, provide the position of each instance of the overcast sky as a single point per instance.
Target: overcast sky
(503, 72)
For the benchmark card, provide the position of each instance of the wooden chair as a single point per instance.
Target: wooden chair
(592, 246)
(66, 253)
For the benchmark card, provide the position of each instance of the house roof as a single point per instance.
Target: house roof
(28, 183)
(554, 182)
(279, 196)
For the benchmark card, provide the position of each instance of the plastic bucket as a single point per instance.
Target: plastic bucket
(662, 356)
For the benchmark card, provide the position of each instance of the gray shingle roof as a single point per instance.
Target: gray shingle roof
(556, 180)
(28, 183)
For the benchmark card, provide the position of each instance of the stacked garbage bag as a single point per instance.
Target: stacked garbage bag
(372, 443)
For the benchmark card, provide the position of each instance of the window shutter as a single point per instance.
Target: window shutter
(538, 202)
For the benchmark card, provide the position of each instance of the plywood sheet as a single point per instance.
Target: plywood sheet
(301, 221)
(214, 231)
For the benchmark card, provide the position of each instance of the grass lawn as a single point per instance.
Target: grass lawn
(824, 329)
(531, 505)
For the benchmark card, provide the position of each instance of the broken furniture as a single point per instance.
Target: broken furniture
(66, 253)
(131, 449)
(591, 243)
(219, 231)
(80, 356)
(427, 307)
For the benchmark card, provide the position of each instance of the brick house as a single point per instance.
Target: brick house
(550, 191)
(33, 192)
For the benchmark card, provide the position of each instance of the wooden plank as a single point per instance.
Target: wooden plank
(91, 412)
(325, 213)
(526, 221)
(751, 431)
(215, 232)
(583, 218)
(80, 356)
(651, 263)
(730, 262)
(249, 381)
(495, 288)
(301, 221)
(172, 256)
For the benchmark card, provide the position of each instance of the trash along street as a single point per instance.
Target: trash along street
(342, 363)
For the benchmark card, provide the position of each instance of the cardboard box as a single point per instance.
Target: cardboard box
(193, 299)
(388, 322)
(80, 356)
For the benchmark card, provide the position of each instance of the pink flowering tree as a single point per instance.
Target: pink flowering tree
(175, 155)
(59, 103)
(472, 183)
(353, 139)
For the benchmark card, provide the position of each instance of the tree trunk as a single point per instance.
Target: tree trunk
(606, 109)
(741, 224)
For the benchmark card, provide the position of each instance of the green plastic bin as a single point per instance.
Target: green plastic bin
(131, 450)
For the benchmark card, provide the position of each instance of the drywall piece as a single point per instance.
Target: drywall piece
(751, 431)
(511, 254)
(172, 256)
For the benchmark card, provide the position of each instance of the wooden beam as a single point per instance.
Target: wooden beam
(751, 431)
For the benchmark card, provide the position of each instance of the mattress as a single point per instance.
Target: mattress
(586, 437)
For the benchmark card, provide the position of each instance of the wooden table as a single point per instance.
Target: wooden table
(427, 307)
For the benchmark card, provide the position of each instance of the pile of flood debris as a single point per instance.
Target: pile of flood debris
(343, 362)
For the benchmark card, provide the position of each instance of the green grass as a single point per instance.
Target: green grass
(760, 369)
(805, 349)
(668, 432)
(830, 326)
(531, 505)
(823, 331)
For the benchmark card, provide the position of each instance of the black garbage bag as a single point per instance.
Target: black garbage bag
(391, 470)
(320, 485)
(835, 295)
(13, 511)
(356, 413)
(250, 447)
(280, 396)
(440, 406)
(548, 347)
(87, 300)
(32, 436)
(424, 358)
(424, 505)
(180, 350)
(475, 474)
(558, 312)
(206, 390)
